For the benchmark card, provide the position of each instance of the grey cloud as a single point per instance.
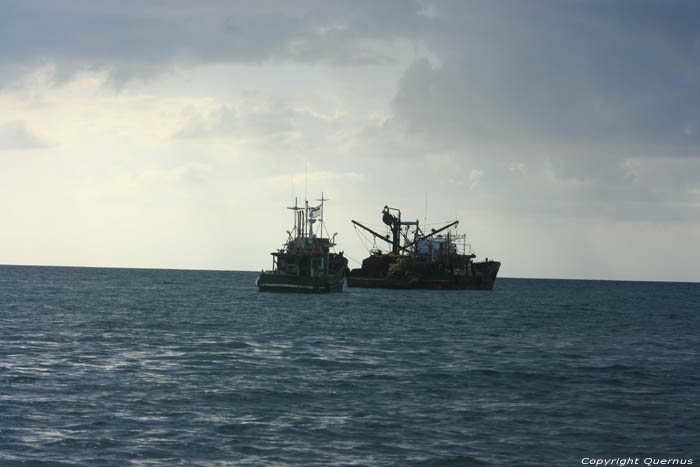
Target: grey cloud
(560, 71)
(276, 126)
(16, 135)
(135, 39)
(587, 95)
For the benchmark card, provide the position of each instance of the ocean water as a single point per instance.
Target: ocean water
(160, 367)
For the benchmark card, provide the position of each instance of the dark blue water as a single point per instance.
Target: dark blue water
(155, 367)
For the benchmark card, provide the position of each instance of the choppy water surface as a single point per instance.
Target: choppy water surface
(156, 367)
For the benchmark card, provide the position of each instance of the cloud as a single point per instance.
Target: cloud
(146, 180)
(219, 122)
(136, 40)
(283, 129)
(316, 176)
(567, 106)
(518, 167)
(474, 177)
(573, 72)
(271, 118)
(190, 172)
(557, 71)
(17, 135)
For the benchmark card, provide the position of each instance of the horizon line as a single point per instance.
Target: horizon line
(149, 268)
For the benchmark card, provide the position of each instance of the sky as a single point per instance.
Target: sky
(563, 135)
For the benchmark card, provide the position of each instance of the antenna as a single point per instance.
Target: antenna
(305, 179)
(425, 216)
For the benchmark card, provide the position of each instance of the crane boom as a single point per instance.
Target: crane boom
(378, 235)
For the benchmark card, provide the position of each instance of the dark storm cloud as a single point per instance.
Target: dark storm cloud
(137, 39)
(573, 71)
(561, 71)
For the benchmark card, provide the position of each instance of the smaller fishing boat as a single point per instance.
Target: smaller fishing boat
(306, 262)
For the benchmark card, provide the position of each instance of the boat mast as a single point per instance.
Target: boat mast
(326, 253)
(307, 225)
(322, 199)
(394, 222)
(297, 219)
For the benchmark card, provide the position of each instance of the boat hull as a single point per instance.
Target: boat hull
(270, 282)
(368, 282)
(483, 279)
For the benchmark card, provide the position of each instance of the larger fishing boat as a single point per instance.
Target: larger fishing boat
(425, 260)
(306, 262)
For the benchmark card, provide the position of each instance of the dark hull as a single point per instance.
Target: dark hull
(367, 282)
(285, 283)
(484, 279)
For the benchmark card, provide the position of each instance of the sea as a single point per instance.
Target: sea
(122, 367)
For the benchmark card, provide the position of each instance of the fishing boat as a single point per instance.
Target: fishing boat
(307, 261)
(439, 259)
